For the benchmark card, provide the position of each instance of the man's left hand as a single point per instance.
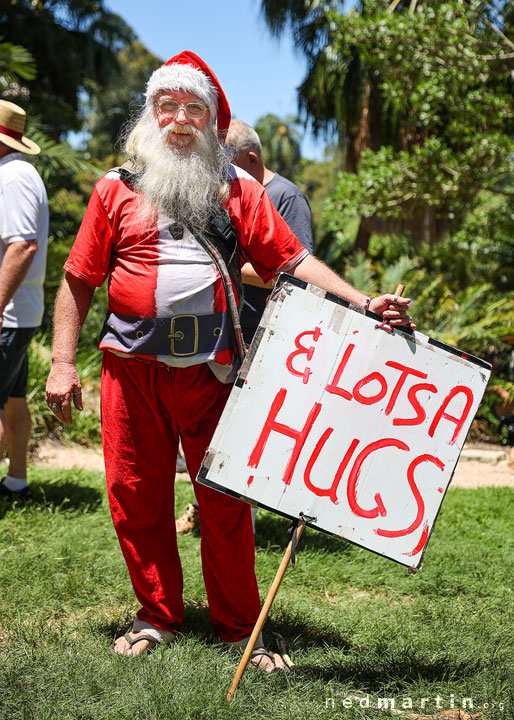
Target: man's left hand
(393, 308)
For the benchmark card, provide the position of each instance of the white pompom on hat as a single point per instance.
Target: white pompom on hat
(188, 72)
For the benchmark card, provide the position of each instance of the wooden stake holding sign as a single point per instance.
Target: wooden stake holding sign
(345, 421)
(264, 612)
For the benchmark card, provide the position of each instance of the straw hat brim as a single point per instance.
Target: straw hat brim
(29, 147)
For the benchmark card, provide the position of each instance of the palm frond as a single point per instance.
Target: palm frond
(359, 273)
(16, 63)
(59, 156)
(398, 273)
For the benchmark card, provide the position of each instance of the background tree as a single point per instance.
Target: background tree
(420, 98)
(280, 139)
(68, 177)
(317, 179)
(113, 103)
(419, 94)
(74, 43)
(16, 65)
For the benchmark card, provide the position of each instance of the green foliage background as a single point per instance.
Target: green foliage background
(340, 615)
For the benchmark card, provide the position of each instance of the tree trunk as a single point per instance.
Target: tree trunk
(363, 236)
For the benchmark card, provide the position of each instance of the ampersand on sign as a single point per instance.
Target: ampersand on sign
(302, 350)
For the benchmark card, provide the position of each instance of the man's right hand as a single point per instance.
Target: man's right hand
(62, 385)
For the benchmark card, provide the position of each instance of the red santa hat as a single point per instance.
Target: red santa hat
(188, 72)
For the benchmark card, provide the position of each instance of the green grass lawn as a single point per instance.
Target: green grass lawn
(355, 624)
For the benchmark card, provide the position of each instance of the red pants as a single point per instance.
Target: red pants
(146, 408)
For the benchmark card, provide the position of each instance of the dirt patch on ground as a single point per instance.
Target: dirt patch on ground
(52, 454)
(470, 473)
(474, 473)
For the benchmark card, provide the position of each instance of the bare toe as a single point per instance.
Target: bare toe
(267, 661)
(123, 647)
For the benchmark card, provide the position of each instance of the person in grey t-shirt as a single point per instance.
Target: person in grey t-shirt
(288, 199)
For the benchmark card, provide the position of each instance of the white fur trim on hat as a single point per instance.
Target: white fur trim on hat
(183, 77)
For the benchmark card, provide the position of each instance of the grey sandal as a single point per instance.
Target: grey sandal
(140, 636)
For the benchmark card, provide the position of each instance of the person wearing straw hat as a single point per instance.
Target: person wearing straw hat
(23, 243)
(169, 229)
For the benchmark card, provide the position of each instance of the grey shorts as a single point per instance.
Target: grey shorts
(14, 363)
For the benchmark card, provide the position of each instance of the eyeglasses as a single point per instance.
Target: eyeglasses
(193, 110)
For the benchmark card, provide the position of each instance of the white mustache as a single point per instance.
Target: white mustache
(179, 129)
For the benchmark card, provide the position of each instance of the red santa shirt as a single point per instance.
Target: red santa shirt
(156, 274)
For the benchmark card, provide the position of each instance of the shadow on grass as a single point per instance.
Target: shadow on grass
(341, 660)
(65, 496)
(396, 672)
(273, 530)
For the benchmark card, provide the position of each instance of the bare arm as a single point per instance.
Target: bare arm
(15, 264)
(392, 308)
(71, 308)
(250, 277)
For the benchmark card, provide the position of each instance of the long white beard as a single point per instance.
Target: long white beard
(189, 186)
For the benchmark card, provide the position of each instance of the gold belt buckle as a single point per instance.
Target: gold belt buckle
(179, 335)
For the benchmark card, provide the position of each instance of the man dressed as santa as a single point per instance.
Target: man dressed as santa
(170, 341)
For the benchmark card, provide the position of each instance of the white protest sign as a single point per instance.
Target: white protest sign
(344, 421)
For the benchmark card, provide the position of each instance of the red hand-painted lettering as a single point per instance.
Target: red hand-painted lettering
(459, 421)
(271, 425)
(330, 492)
(351, 489)
(333, 386)
(420, 412)
(419, 500)
(302, 350)
(405, 372)
(422, 541)
(370, 399)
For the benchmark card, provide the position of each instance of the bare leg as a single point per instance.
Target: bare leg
(18, 428)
